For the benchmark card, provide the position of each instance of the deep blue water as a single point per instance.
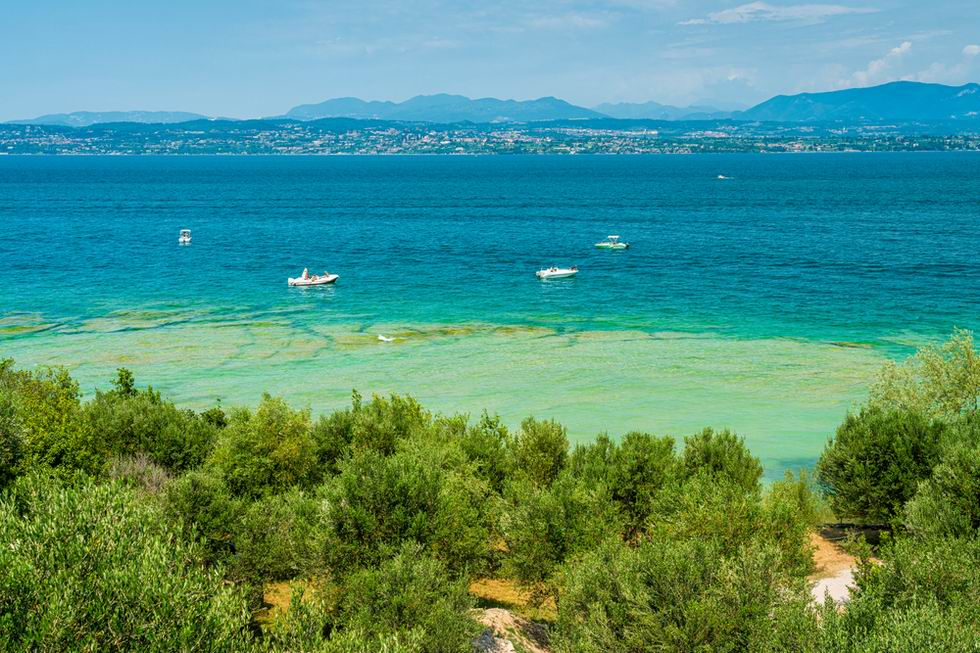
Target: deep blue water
(841, 247)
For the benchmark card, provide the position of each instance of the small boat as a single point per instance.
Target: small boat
(557, 273)
(185, 237)
(722, 177)
(306, 279)
(612, 242)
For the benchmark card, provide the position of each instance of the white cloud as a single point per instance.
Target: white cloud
(763, 11)
(567, 21)
(971, 50)
(879, 70)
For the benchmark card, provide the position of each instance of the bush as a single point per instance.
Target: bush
(938, 382)
(266, 452)
(11, 440)
(276, 538)
(93, 568)
(410, 594)
(923, 597)
(204, 505)
(948, 502)
(721, 455)
(377, 503)
(643, 465)
(380, 424)
(485, 445)
(539, 451)
(129, 421)
(545, 527)
(876, 461)
(682, 596)
(44, 409)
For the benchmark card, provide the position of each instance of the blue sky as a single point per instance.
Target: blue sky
(245, 58)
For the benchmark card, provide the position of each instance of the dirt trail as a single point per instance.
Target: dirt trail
(834, 573)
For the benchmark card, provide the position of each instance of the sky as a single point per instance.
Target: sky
(247, 58)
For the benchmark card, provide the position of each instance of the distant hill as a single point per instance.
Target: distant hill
(893, 101)
(657, 111)
(86, 118)
(445, 108)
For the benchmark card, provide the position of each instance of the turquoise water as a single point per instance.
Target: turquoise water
(763, 303)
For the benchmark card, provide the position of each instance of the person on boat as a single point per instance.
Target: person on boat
(306, 273)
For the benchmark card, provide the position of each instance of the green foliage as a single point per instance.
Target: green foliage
(721, 455)
(411, 593)
(682, 596)
(203, 504)
(643, 465)
(46, 413)
(485, 445)
(545, 526)
(93, 567)
(876, 460)
(267, 451)
(380, 424)
(129, 421)
(791, 510)
(277, 538)
(939, 382)
(377, 503)
(11, 439)
(923, 597)
(539, 450)
(948, 502)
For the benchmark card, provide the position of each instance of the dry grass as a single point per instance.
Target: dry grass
(829, 558)
(503, 593)
(277, 597)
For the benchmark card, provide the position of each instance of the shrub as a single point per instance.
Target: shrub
(204, 505)
(377, 503)
(129, 421)
(412, 595)
(948, 502)
(276, 538)
(93, 568)
(721, 455)
(11, 440)
(485, 445)
(539, 450)
(141, 472)
(876, 461)
(45, 407)
(381, 423)
(923, 597)
(267, 451)
(682, 596)
(545, 527)
(938, 382)
(643, 466)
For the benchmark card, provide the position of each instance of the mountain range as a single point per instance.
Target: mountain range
(893, 101)
(86, 118)
(898, 101)
(446, 108)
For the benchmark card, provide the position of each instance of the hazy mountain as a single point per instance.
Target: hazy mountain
(893, 101)
(657, 111)
(445, 108)
(86, 118)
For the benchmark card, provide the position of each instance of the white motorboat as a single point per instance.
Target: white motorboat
(185, 237)
(612, 242)
(557, 273)
(306, 279)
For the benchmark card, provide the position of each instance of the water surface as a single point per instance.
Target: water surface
(763, 303)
